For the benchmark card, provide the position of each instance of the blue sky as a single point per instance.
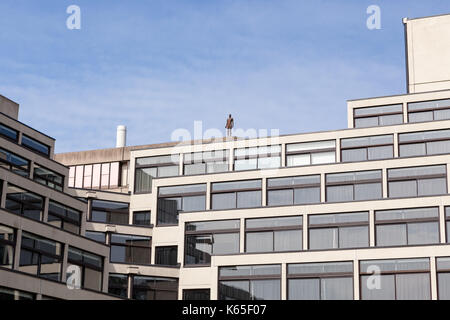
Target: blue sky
(156, 66)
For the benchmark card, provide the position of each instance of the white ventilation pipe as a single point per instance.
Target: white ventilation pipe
(121, 139)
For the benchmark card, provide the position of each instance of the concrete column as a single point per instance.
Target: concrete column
(105, 274)
(283, 281)
(31, 173)
(322, 188)
(433, 275)
(338, 150)
(65, 263)
(372, 228)
(442, 224)
(242, 236)
(4, 187)
(230, 161)
(208, 196)
(396, 146)
(17, 249)
(356, 295)
(264, 192)
(180, 165)
(45, 210)
(405, 112)
(384, 182)
(130, 287)
(215, 283)
(19, 138)
(283, 155)
(305, 231)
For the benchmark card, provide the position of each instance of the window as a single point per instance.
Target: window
(407, 227)
(24, 203)
(352, 186)
(367, 148)
(35, 145)
(196, 294)
(14, 163)
(48, 177)
(154, 288)
(257, 158)
(64, 217)
(293, 190)
(258, 282)
(173, 200)
(417, 181)
(130, 249)
(274, 234)
(7, 245)
(339, 230)
(110, 212)
(95, 176)
(91, 267)
(41, 257)
(402, 279)
(204, 239)
(96, 236)
(378, 116)
(236, 194)
(13, 294)
(154, 167)
(320, 281)
(118, 285)
(307, 153)
(8, 133)
(141, 218)
(424, 143)
(206, 162)
(443, 277)
(429, 110)
(166, 255)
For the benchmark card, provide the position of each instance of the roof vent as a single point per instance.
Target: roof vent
(121, 139)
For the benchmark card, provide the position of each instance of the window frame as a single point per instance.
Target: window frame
(130, 247)
(377, 115)
(83, 265)
(12, 165)
(235, 192)
(367, 147)
(432, 110)
(225, 159)
(27, 146)
(309, 152)
(157, 166)
(109, 212)
(424, 142)
(353, 183)
(65, 218)
(57, 186)
(293, 188)
(10, 243)
(258, 155)
(7, 137)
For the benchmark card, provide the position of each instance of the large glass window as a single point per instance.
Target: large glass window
(154, 288)
(274, 234)
(352, 186)
(14, 163)
(118, 285)
(13, 294)
(320, 281)
(141, 218)
(41, 257)
(204, 239)
(429, 110)
(443, 277)
(64, 217)
(403, 227)
(236, 194)
(206, 162)
(402, 279)
(96, 236)
(154, 167)
(91, 267)
(35, 145)
(293, 190)
(8, 132)
(367, 148)
(24, 202)
(173, 200)
(378, 116)
(7, 245)
(196, 294)
(259, 282)
(97, 176)
(110, 212)
(340, 230)
(417, 181)
(307, 153)
(130, 249)
(48, 177)
(166, 255)
(424, 143)
(257, 158)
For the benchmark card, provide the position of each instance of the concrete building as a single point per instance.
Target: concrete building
(357, 213)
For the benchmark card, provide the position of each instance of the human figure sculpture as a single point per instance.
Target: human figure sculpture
(229, 125)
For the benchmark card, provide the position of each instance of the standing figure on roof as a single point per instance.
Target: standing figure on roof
(229, 125)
